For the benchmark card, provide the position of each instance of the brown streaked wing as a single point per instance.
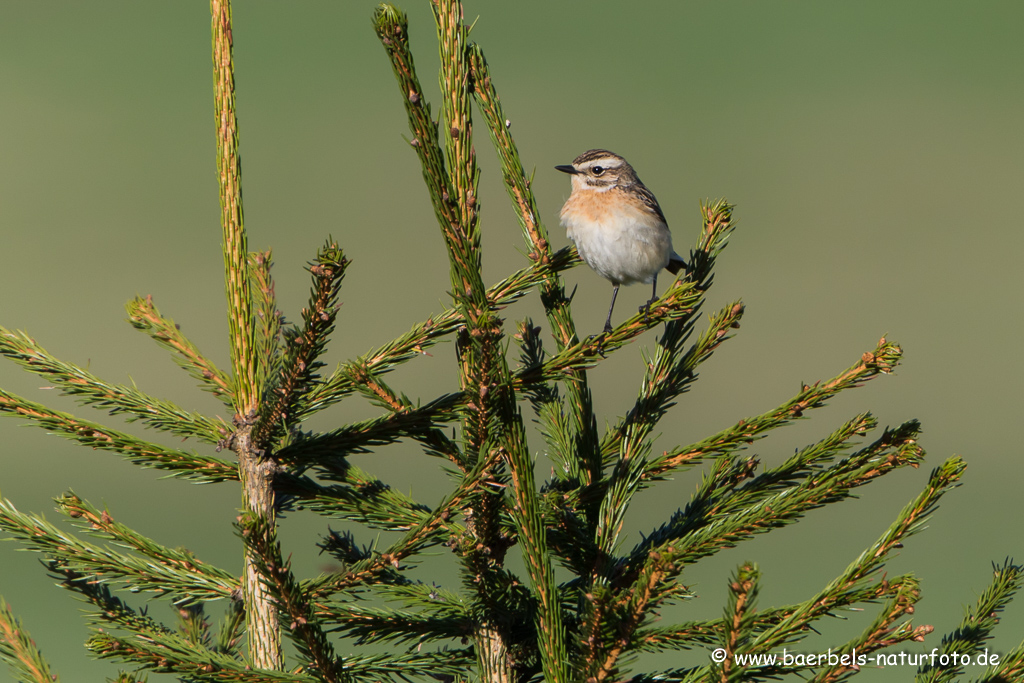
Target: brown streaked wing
(647, 197)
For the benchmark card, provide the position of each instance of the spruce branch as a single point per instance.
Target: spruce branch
(739, 618)
(679, 301)
(623, 484)
(516, 183)
(1009, 669)
(568, 426)
(379, 568)
(882, 360)
(670, 372)
(718, 517)
(548, 405)
(423, 336)
(425, 596)
(693, 634)
(193, 624)
(444, 665)
(100, 523)
(229, 176)
(718, 227)
(303, 347)
(268, 318)
(531, 534)
(433, 440)
(911, 519)
(152, 645)
(883, 632)
(678, 637)
(183, 464)
(359, 437)
(810, 460)
(424, 534)
(144, 315)
(116, 399)
(342, 382)
(373, 625)
(137, 574)
(392, 26)
(174, 654)
(19, 651)
(670, 376)
(359, 497)
(721, 512)
(556, 304)
(575, 432)
(710, 632)
(442, 616)
(721, 493)
(232, 629)
(612, 616)
(977, 624)
(572, 530)
(461, 229)
(111, 611)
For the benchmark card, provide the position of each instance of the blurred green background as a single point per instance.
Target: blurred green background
(874, 150)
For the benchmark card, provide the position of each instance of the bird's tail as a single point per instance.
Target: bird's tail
(675, 263)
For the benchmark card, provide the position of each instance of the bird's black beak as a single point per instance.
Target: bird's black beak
(567, 169)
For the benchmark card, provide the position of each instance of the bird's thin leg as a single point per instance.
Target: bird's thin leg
(608, 322)
(646, 308)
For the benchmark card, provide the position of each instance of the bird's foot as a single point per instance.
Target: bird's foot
(646, 310)
(598, 340)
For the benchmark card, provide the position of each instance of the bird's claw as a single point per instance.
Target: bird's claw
(646, 310)
(598, 340)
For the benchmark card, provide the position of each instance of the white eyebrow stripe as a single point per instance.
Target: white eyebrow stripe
(607, 162)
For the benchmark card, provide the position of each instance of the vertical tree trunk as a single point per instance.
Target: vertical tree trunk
(255, 472)
(258, 498)
(493, 655)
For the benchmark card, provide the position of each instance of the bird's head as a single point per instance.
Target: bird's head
(599, 170)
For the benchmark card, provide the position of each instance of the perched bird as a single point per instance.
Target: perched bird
(616, 224)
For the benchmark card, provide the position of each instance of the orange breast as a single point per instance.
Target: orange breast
(593, 207)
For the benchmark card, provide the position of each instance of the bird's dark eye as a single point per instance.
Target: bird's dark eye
(597, 170)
